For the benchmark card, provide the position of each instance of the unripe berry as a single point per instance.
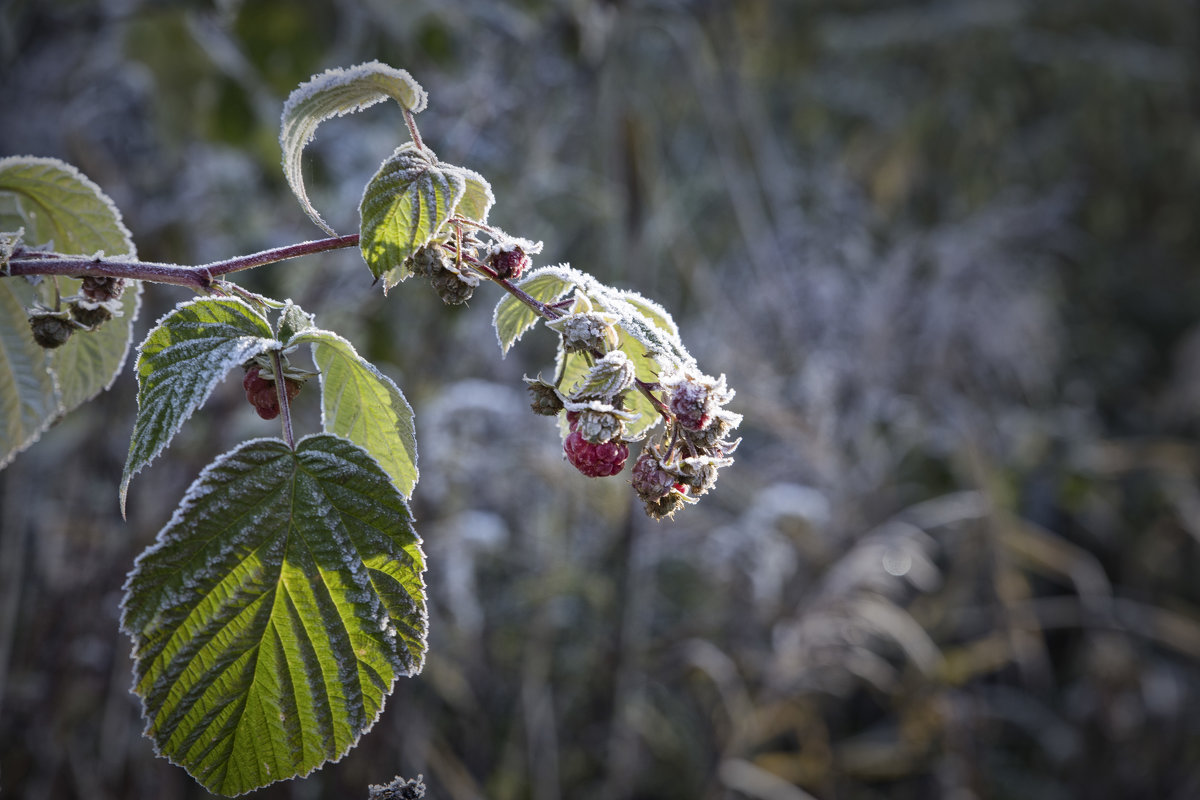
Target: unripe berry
(90, 313)
(593, 459)
(691, 405)
(509, 263)
(650, 480)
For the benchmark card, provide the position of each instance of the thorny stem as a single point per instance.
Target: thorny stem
(285, 410)
(32, 262)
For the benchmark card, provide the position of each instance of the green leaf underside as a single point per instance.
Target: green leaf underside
(61, 208)
(333, 93)
(180, 363)
(512, 317)
(477, 199)
(275, 611)
(363, 405)
(28, 400)
(404, 207)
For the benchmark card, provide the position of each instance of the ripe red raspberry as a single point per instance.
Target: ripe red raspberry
(595, 460)
(509, 263)
(691, 406)
(650, 480)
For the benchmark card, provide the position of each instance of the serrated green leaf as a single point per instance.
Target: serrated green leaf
(405, 206)
(275, 612)
(337, 92)
(365, 406)
(28, 400)
(477, 199)
(180, 362)
(62, 208)
(512, 317)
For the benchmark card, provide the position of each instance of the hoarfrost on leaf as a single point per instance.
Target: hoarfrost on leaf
(286, 589)
(337, 92)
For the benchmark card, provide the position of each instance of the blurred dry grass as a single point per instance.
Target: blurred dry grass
(946, 253)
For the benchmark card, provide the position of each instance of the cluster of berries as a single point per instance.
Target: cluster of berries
(262, 394)
(98, 301)
(454, 282)
(676, 467)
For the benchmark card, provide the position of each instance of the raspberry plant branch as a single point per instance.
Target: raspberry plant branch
(300, 552)
(201, 277)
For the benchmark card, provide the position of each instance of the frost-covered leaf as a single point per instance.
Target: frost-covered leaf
(292, 321)
(365, 406)
(59, 208)
(646, 334)
(28, 400)
(548, 284)
(275, 612)
(334, 93)
(180, 363)
(63, 209)
(477, 199)
(405, 206)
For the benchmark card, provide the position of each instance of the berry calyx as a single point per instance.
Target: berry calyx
(596, 460)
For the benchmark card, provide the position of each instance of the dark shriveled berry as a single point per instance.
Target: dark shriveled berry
(451, 288)
(90, 314)
(50, 329)
(595, 460)
(101, 289)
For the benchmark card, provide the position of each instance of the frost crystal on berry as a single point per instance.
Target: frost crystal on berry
(544, 398)
(596, 460)
(650, 480)
(586, 332)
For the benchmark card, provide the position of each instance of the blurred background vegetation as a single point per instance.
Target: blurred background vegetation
(945, 251)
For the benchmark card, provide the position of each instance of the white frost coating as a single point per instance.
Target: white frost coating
(477, 199)
(94, 221)
(558, 280)
(338, 92)
(185, 395)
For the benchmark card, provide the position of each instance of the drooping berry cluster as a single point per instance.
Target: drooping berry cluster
(683, 462)
(261, 392)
